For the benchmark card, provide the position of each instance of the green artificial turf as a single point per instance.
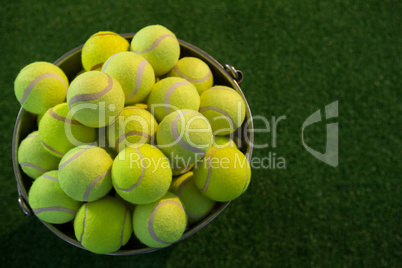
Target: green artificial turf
(296, 57)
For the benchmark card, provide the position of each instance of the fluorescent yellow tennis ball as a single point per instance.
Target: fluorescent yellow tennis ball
(224, 108)
(195, 71)
(184, 136)
(84, 173)
(103, 226)
(141, 105)
(40, 86)
(99, 47)
(161, 223)
(197, 205)
(134, 125)
(181, 169)
(141, 174)
(159, 46)
(33, 158)
(49, 202)
(95, 99)
(60, 132)
(171, 94)
(38, 118)
(134, 73)
(223, 175)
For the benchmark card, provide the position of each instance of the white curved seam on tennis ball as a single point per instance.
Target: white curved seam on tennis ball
(53, 114)
(55, 208)
(152, 217)
(52, 149)
(92, 96)
(190, 79)
(179, 140)
(42, 169)
(138, 78)
(169, 92)
(93, 183)
(115, 119)
(141, 176)
(212, 108)
(184, 169)
(50, 177)
(107, 62)
(231, 143)
(84, 222)
(154, 44)
(36, 80)
(209, 168)
(76, 155)
(32, 135)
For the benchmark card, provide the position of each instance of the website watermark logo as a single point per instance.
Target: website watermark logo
(331, 154)
(121, 133)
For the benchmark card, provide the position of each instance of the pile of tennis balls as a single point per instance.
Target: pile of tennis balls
(139, 142)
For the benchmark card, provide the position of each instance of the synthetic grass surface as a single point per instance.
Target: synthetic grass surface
(296, 57)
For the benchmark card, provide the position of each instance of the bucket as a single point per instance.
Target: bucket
(70, 63)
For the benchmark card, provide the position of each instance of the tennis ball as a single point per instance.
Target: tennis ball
(60, 132)
(159, 46)
(38, 118)
(195, 71)
(141, 174)
(84, 173)
(223, 175)
(141, 105)
(224, 108)
(160, 223)
(184, 136)
(99, 47)
(95, 99)
(40, 86)
(197, 205)
(222, 141)
(129, 206)
(178, 170)
(33, 158)
(134, 74)
(77, 74)
(49, 202)
(170, 94)
(133, 125)
(103, 226)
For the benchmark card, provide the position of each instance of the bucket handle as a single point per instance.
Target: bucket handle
(237, 75)
(24, 206)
